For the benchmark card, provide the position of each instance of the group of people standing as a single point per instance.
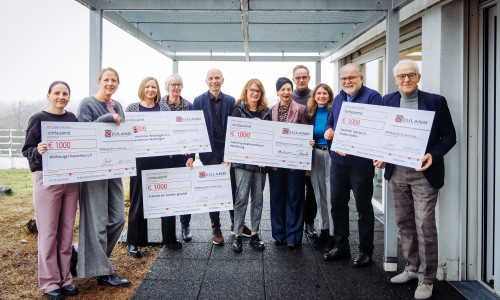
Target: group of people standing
(296, 196)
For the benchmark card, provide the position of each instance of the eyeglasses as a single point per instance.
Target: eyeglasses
(174, 85)
(299, 78)
(350, 78)
(410, 76)
(254, 91)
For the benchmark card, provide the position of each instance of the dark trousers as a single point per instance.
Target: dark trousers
(311, 207)
(287, 204)
(168, 229)
(216, 158)
(137, 233)
(359, 178)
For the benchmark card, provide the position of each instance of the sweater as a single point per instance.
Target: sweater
(241, 111)
(93, 110)
(34, 136)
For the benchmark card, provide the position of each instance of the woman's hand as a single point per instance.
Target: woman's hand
(312, 143)
(118, 119)
(42, 148)
(189, 163)
(135, 129)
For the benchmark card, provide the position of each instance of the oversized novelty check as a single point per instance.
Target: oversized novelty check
(179, 191)
(87, 151)
(391, 134)
(268, 143)
(169, 132)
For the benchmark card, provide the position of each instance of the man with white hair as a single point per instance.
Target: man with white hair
(416, 190)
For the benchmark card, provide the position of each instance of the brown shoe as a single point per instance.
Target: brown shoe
(218, 239)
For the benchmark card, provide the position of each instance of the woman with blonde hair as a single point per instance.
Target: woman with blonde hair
(319, 105)
(137, 233)
(102, 206)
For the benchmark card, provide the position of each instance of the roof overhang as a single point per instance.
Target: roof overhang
(245, 30)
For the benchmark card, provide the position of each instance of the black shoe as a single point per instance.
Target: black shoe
(311, 231)
(73, 261)
(322, 239)
(256, 242)
(69, 290)
(134, 251)
(186, 233)
(112, 280)
(330, 244)
(238, 244)
(280, 242)
(293, 246)
(54, 295)
(362, 260)
(336, 254)
(174, 245)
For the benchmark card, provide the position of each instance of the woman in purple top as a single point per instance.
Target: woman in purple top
(55, 205)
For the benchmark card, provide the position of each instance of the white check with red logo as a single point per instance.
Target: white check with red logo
(179, 191)
(268, 143)
(169, 132)
(390, 134)
(80, 152)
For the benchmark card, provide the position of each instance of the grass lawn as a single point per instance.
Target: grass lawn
(18, 248)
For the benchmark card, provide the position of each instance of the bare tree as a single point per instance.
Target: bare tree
(17, 114)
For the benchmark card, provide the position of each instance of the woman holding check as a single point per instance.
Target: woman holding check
(174, 100)
(55, 205)
(250, 178)
(102, 210)
(137, 235)
(286, 185)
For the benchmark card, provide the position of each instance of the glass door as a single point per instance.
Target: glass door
(490, 134)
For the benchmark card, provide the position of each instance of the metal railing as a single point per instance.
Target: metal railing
(11, 142)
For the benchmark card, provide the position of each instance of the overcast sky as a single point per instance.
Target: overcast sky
(44, 41)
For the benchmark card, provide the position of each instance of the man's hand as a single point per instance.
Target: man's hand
(329, 134)
(341, 153)
(426, 162)
(378, 164)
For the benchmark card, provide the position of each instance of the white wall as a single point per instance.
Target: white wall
(443, 66)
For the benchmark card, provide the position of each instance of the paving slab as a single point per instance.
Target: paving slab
(202, 270)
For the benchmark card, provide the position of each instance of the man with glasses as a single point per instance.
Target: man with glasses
(351, 172)
(300, 95)
(416, 190)
(217, 107)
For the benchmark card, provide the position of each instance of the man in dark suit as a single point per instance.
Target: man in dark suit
(351, 172)
(216, 107)
(416, 190)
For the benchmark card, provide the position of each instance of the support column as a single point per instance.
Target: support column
(391, 59)
(175, 67)
(318, 72)
(95, 48)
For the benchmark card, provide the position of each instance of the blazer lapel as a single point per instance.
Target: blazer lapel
(292, 112)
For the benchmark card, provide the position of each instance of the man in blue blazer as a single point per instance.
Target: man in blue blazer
(350, 172)
(216, 107)
(416, 190)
